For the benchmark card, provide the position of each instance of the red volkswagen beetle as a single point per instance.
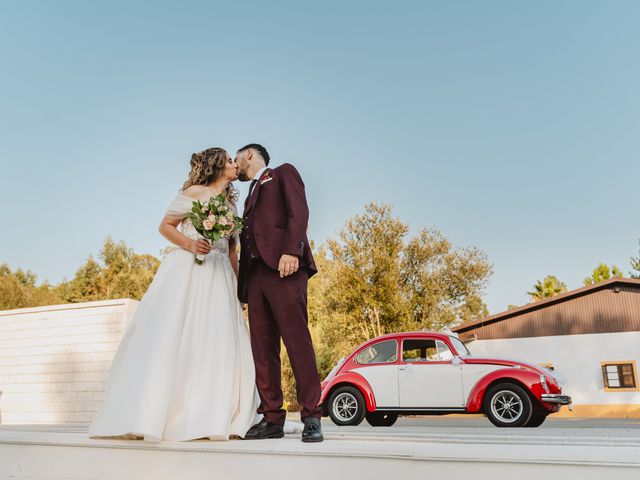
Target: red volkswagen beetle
(427, 373)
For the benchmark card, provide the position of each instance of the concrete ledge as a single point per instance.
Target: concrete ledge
(69, 453)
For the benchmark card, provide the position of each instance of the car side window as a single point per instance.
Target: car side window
(460, 347)
(444, 353)
(381, 352)
(425, 350)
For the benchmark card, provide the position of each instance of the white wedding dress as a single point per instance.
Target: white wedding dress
(184, 369)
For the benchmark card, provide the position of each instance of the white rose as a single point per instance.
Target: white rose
(207, 224)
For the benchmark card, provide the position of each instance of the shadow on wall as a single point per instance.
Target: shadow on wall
(78, 388)
(65, 386)
(56, 369)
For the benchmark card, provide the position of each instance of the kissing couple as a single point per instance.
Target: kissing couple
(187, 366)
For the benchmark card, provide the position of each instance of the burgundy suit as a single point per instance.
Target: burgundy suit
(276, 217)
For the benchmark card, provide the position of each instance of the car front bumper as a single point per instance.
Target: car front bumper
(556, 398)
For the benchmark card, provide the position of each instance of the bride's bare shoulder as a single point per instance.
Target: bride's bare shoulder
(194, 191)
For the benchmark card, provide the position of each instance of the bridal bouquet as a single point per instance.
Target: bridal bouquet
(213, 219)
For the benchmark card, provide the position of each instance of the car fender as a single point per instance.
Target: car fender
(356, 380)
(530, 380)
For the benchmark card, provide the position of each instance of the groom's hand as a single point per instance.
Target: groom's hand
(288, 265)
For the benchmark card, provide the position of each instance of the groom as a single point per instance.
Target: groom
(275, 265)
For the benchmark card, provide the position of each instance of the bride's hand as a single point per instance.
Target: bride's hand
(200, 246)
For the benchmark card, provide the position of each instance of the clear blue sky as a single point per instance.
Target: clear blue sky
(511, 126)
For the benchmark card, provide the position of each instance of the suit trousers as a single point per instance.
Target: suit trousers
(278, 309)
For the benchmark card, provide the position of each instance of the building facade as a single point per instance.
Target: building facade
(590, 337)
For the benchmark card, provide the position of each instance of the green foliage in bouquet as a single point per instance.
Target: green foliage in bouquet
(214, 219)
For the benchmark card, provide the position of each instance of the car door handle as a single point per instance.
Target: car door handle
(405, 368)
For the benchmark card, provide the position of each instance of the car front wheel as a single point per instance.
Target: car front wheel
(536, 419)
(346, 406)
(381, 419)
(508, 405)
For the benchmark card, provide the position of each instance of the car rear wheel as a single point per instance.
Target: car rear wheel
(508, 405)
(381, 419)
(346, 406)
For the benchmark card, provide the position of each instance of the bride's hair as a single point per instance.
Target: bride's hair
(208, 165)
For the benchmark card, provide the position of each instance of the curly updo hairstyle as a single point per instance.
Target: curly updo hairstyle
(208, 165)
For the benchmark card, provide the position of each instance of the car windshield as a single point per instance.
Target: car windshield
(462, 350)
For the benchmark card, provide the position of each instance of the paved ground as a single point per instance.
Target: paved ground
(561, 431)
(451, 421)
(455, 429)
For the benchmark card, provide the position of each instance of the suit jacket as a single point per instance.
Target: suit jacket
(276, 216)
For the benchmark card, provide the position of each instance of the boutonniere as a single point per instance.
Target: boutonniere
(266, 177)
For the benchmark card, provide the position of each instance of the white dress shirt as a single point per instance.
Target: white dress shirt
(256, 177)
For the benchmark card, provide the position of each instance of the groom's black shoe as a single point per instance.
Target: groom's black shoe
(312, 430)
(263, 430)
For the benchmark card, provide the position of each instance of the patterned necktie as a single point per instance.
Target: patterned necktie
(253, 184)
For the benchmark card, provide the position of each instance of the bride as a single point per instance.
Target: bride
(184, 368)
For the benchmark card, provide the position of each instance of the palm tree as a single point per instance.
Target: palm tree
(602, 272)
(635, 264)
(547, 288)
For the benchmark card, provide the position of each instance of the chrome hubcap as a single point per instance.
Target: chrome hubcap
(506, 406)
(345, 407)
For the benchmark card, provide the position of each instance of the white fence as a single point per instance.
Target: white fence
(54, 360)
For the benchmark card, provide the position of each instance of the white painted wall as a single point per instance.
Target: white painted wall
(54, 360)
(575, 357)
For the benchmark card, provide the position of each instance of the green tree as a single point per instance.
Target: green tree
(12, 292)
(367, 271)
(549, 287)
(19, 290)
(635, 265)
(373, 280)
(86, 285)
(27, 279)
(126, 273)
(602, 272)
(442, 284)
(121, 273)
(45, 294)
